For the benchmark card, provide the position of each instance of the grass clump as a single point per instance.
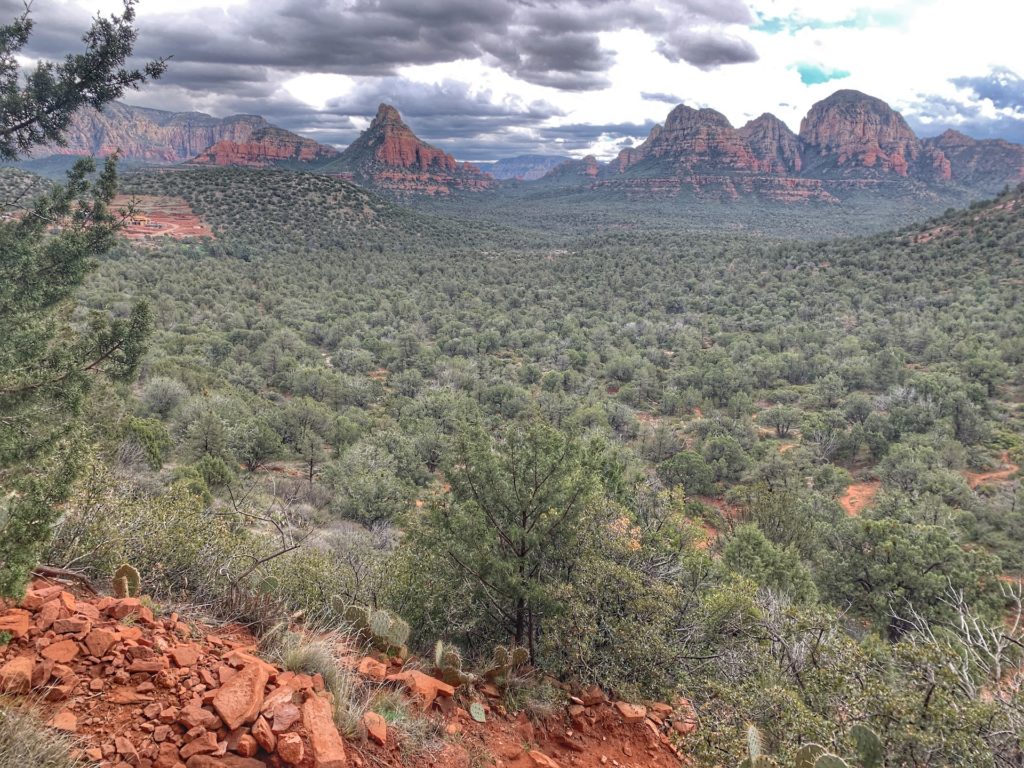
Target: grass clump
(417, 734)
(318, 655)
(26, 743)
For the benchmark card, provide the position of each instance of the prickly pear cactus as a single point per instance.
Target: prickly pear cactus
(830, 761)
(870, 752)
(128, 580)
(807, 755)
(476, 711)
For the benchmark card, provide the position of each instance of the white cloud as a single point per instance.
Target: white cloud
(897, 51)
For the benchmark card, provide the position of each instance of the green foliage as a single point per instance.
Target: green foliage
(751, 554)
(830, 761)
(870, 752)
(39, 108)
(46, 368)
(384, 630)
(519, 500)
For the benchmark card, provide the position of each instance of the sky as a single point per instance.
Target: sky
(486, 79)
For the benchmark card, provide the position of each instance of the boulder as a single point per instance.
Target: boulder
(239, 700)
(421, 686)
(16, 622)
(376, 727)
(16, 675)
(290, 748)
(631, 713)
(327, 747)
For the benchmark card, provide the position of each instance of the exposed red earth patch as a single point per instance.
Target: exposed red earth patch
(858, 496)
(157, 216)
(1001, 475)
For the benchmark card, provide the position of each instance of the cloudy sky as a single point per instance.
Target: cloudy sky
(494, 78)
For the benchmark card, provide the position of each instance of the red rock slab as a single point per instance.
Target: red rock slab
(285, 716)
(99, 641)
(185, 655)
(125, 607)
(371, 668)
(204, 744)
(193, 716)
(541, 760)
(291, 749)
(376, 727)
(64, 720)
(36, 598)
(16, 675)
(422, 686)
(239, 700)
(263, 734)
(47, 614)
(325, 741)
(61, 652)
(16, 622)
(631, 713)
(227, 761)
(76, 625)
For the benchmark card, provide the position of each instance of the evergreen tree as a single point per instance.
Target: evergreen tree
(48, 357)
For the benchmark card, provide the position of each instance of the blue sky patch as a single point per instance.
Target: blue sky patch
(812, 74)
(864, 18)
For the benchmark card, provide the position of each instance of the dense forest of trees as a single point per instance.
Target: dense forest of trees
(626, 453)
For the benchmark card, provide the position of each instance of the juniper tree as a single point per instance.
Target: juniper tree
(48, 354)
(511, 527)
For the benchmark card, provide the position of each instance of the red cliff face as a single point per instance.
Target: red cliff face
(388, 155)
(156, 136)
(852, 134)
(694, 140)
(266, 148)
(987, 164)
(776, 148)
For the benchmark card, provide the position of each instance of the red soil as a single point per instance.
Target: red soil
(858, 496)
(161, 217)
(1004, 474)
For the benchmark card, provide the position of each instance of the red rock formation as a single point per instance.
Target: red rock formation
(157, 136)
(850, 133)
(987, 164)
(693, 140)
(266, 147)
(388, 155)
(776, 148)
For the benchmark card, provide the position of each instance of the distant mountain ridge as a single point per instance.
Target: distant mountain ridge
(523, 167)
(848, 143)
(158, 136)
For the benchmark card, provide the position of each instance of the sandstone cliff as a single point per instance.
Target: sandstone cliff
(389, 156)
(157, 136)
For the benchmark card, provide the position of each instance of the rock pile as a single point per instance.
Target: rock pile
(147, 693)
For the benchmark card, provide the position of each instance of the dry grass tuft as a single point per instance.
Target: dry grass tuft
(26, 743)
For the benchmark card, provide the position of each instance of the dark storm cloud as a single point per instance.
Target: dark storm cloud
(706, 49)
(236, 59)
(1001, 88)
(544, 42)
